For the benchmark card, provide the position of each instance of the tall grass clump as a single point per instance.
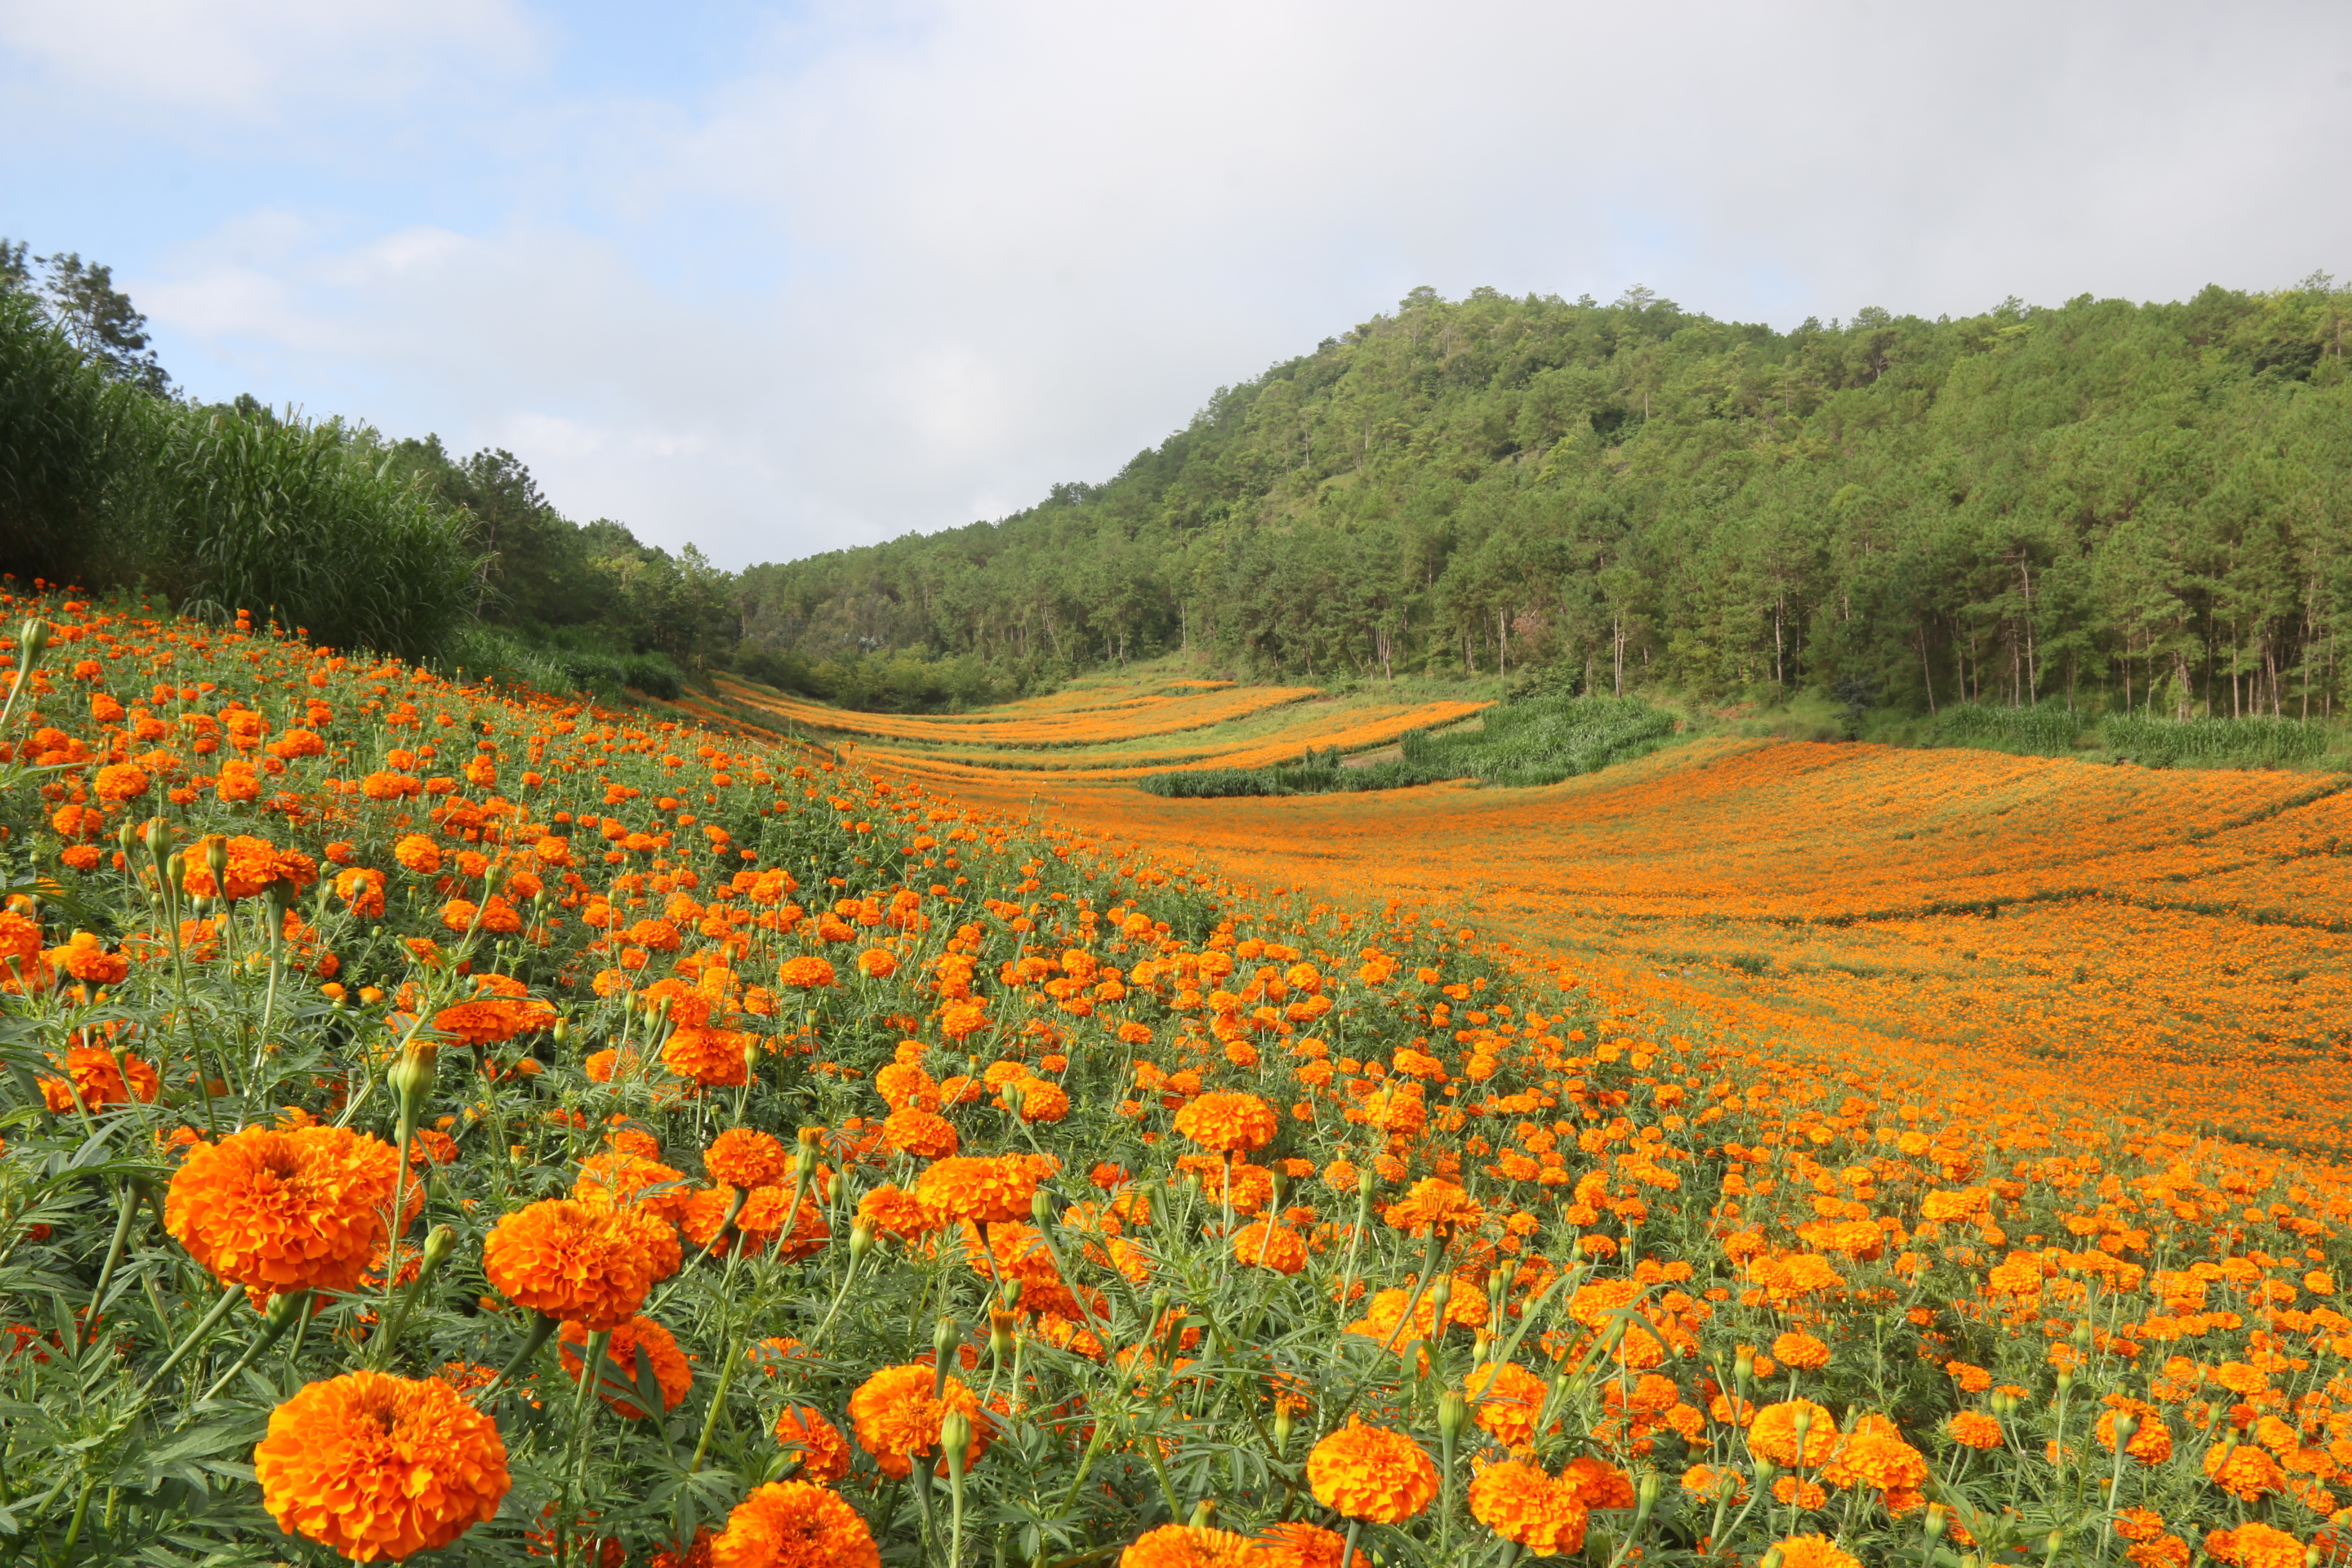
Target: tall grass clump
(1545, 739)
(66, 435)
(557, 663)
(2042, 730)
(303, 522)
(2214, 743)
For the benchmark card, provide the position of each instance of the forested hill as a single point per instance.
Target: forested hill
(2150, 503)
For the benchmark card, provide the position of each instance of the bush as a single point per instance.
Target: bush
(561, 663)
(64, 431)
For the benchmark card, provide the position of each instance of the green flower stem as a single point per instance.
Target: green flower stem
(128, 1207)
(196, 1336)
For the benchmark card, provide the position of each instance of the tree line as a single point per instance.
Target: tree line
(2143, 507)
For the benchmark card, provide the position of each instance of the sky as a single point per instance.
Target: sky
(778, 279)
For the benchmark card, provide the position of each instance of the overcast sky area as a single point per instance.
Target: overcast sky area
(779, 279)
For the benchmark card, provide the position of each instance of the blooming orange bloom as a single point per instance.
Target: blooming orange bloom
(1505, 1399)
(982, 1190)
(805, 972)
(823, 1452)
(1974, 1429)
(1185, 1546)
(668, 1363)
(1801, 1352)
(93, 1078)
(793, 1524)
(1435, 1203)
(1228, 1123)
(285, 1211)
(253, 864)
(1299, 1544)
(564, 1259)
(911, 1130)
(1521, 1503)
(1371, 1473)
(1773, 1434)
(120, 781)
(489, 1020)
(618, 1177)
(1814, 1551)
(711, 1058)
(898, 1418)
(2151, 1444)
(894, 1212)
(1267, 1245)
(379, 1468)
(746, 1157)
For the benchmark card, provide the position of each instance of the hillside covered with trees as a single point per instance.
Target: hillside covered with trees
(2150, 505)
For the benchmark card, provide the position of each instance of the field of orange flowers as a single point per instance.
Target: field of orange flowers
(439, 1122)
(1108, 729)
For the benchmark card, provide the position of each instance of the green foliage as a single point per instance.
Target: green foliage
(1545, 739)
(65, 431)
(303, 523)
(902, 683)
(2214, 743)
(561, 659)
(2044, 729)
(2099, 501)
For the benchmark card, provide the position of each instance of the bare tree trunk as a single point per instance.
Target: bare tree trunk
(1927, 670)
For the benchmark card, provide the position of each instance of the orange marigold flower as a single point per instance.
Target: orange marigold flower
(285, 1211)
(253, 864)
(1042, 1099)
(2244, 1471)
(746, 1157)
(805, 972)
(1974, 1429)
(1299, 1544)
(711, 1058)
(1773, 1434)
(1371, 1473)
(618, 1177)
(418, 854)
(490, 1020)
(896, 1212)
(1598, 1484)
(1228, 1123)
(1875, 1455)
(911, 1130)
(1267, 1245)
(379, 1468)
(1521, 1503)
(823, 1453)
(1505, 1399)
(1814, 1551)
(620, 1375)
(97, 1081)
(878, 963)
(2258, 1545)
(1185, 1546)
(1436, 1203)
(564, 1259)
(2150, 1445)
(898, 1418)
(795, 1524)
(1803, 1351)
(982, 1190)
(120, 781)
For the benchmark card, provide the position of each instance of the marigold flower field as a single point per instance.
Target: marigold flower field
(445, 1123)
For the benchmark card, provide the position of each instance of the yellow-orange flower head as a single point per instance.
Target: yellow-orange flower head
(1183, 1546)
(793, 1524)
(379, 1467)
(1519, 1502)
(982, 1190)
(1773, 1434)
(896, 1417)
(285, 1211)
(1228, 1123)
(1814, 1551)
(1371, 1474)
(585, 1262)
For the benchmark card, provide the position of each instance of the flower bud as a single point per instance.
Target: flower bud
(1202, 1511)
(1040, 1209)
(439, 1244)
(955, 1437)
(412, 1078)
(1441, 1296)
(1364, 1185)
(32, 642)
(1938, 1516)
(1771, 1559)
(2082, 1337)
(2066, 1380)
(1453, 1413)
(216, 862)
(861, 1241)
(1000, 1332)
(1282, 1426)
(1743, 1367)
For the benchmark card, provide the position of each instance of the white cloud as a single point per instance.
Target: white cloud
(901, 268)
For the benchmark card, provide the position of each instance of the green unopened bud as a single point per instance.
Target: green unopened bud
(32, 642)
(157, 836)
(1453, 1413)
(1441, 1296)
(126, 837)
(1646, 1497)
(1202, 1511)
(2082, 1336)
(438, 1244)
(1040, 1209)
(1743, 1367)
(2052, 1544)
(562, 1031)
(750, 1057)
(216, 862)
(1765, 1470)
(1772, 1558)
(861, 1240)
(1012, 1096)
(2066, 1380)
(1938, 1516)
(1282, 1427)
(412, 1078)
(945, 1337)
(283, 1308)
(1364, 1185)
(2127, 1428)
(175, 873)
(955, 1437)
